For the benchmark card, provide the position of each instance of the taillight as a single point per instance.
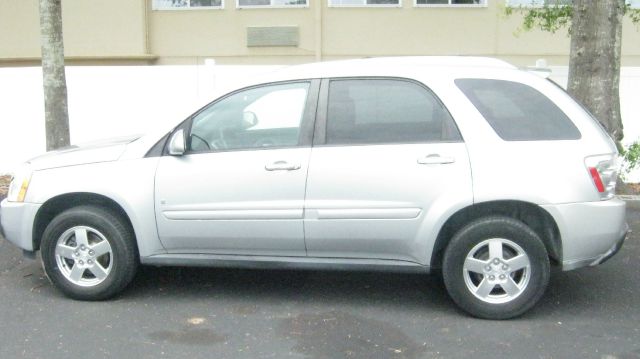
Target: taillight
(603, 170)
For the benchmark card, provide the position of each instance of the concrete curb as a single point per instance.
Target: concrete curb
(628, 197)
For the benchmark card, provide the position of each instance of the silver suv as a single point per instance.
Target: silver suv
(466, 167)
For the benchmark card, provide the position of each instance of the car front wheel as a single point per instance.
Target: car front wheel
(88, 252)
(496, 268)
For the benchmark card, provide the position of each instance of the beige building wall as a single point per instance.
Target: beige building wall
(104, 30)
(121, 31)
(191, 35)
(19, 29)
(515, 45)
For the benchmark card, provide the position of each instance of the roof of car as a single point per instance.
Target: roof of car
(438, 61)
(404, 66)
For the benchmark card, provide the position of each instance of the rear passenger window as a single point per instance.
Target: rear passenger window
(518, 112)
(386, 111)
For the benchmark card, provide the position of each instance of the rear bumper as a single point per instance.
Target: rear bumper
(591, 232)
(590, 262)
(611, 252)
(16, 223)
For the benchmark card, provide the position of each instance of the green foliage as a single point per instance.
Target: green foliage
(630, 158)
(634, 14)
(555, 15)
(550, 17)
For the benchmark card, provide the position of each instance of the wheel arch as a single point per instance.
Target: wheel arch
(58, 204)
(534, 216)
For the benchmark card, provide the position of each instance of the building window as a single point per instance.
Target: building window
(635, 4)
(373, 3)
(271, 3)
(537, 3)
(187, 4)
(460, 3)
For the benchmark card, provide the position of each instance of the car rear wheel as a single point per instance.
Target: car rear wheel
(88, 252)
(496, 268)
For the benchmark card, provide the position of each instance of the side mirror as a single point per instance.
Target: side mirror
(249, 119)
(177, 144)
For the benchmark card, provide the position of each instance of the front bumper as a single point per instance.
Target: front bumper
(591, 232)
(16, 223)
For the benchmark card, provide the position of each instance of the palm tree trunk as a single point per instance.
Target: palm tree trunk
(53, 75)
(594, 65)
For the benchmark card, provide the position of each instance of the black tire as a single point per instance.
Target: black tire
(470, 238)
(123, 257)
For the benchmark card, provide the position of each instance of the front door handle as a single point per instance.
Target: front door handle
(282, 166)
(435, 159)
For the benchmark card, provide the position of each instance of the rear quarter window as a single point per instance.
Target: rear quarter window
(518, 112)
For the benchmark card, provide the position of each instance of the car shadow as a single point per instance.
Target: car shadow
(608, 288)
(580, 292)
(297, 286)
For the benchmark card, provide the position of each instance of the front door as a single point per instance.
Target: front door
(239, 188)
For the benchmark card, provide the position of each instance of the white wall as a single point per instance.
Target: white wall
(107, 101)
(629, 89)
(629, 105)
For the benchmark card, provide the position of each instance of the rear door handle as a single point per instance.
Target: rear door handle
(282, 166)
(435, 159)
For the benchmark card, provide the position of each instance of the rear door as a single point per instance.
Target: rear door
(387, 162)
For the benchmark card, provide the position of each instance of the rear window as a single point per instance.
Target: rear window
(518, 112)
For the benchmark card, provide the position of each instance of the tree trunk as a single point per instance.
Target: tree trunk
(54, 81)
(594, 65)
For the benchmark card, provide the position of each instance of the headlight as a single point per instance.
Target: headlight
(19, 184)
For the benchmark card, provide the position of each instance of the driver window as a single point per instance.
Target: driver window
(263, 117)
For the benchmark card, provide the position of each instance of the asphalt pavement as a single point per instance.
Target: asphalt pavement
(223, 313)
